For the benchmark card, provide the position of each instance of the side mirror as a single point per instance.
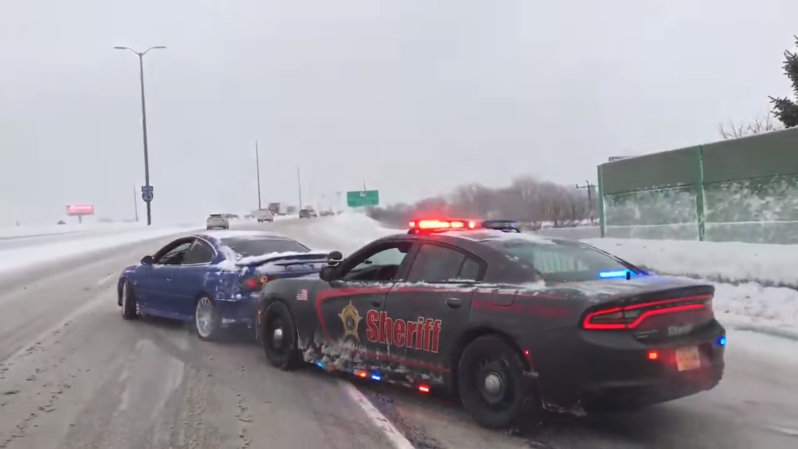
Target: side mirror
(147, 260)
(334, 258)
(327, 274)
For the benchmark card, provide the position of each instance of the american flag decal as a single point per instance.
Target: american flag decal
(302, 295)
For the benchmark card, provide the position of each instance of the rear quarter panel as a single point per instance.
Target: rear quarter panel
(529, 318)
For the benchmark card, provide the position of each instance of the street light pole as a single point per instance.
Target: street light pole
(257, 164)
(589, 186)
(141, 54)
(135, 203)
(299, 187)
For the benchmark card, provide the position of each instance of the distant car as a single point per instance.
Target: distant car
(218, 221)
(308, 213)
(513, 323)
(327, 213)
(212, 279)
(263, 215)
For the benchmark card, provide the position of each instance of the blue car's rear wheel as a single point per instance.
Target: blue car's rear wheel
(206, 318)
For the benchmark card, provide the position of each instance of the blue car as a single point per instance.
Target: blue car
(212, 279)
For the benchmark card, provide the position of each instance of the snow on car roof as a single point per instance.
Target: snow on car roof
(241, 234)
(483, 235)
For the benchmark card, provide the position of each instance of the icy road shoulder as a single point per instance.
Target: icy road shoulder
(28, 256)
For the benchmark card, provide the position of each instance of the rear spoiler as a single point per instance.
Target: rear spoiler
(290, 258)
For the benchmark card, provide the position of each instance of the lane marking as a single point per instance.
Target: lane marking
(104, 280)
(397, 440)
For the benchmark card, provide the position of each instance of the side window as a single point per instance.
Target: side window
(175, 255)
(556, 261)
(439, 264)
(390, 256)
(470, 270)
(200, 252)
(380, 265)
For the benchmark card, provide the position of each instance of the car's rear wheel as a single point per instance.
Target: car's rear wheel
(492, 384)
(206, 319)
(279, 337)
(130, 307)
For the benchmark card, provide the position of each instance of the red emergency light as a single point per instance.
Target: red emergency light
(441, 225)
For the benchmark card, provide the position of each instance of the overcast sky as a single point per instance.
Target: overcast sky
(411, 96)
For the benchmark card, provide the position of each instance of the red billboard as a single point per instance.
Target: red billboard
(80, 209)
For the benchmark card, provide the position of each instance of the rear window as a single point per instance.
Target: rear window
(216, 215)
(247, 247)
(559, 261)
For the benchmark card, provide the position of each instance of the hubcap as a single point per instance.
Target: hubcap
(277, 337)
(204, 316)
(493, 383)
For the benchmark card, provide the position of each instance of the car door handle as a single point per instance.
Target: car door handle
(376, 302)
(454, 303)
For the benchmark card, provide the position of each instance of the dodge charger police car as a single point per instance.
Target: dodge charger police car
(512, 323)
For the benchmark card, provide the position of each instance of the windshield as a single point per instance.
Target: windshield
(559, 261)
(247, 247)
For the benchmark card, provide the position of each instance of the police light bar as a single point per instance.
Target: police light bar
(441, 225)
(501, 225)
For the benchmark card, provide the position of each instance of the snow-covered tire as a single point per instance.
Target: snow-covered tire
(279, 337)
(129, 303)
(207, 322)
(492, 385)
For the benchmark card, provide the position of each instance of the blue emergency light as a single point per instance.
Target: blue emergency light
(615, 274)
(501, 225)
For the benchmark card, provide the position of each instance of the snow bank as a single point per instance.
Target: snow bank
(350, 231)
(747, 305)
(729, 262)
(31, 231)
(22, 258)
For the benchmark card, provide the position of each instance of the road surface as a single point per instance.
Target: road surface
(73, 374)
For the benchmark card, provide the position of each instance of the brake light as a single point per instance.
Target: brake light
(254, 282)
(631, 316)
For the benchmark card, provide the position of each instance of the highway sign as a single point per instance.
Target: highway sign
(147, 193)
(363, 198)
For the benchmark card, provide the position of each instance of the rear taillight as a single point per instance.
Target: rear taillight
(631, 316)
(253, 283)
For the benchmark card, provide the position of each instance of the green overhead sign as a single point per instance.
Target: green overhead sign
(363, 198)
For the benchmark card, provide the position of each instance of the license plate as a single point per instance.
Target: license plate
(688, 358)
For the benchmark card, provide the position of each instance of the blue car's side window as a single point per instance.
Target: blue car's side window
(199, 253)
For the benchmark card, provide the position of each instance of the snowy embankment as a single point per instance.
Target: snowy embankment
(47, 230)
(741, 304)
(83, 243)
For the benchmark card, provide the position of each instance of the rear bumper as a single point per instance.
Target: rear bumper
(597, 370)
(239, 312)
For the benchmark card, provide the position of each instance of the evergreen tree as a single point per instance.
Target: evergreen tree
(785, 109)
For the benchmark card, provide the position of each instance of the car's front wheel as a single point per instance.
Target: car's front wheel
(279, 337)
(207, 321)
(130, 307)
(492, 384)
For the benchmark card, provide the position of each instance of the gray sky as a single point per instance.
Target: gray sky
(412, 96)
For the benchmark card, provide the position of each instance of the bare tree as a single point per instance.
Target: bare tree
(759, 125)
(527, 199)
